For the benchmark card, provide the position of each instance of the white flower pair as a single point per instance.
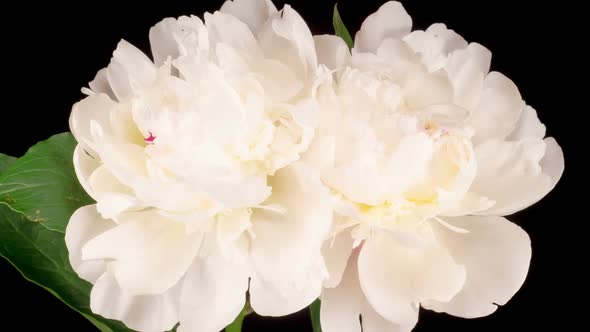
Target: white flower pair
(250, 156)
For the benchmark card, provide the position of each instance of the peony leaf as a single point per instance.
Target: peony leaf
(340, 29)
(5, 162)
(236, 325)
(40, 255)
(314, 310)
(42, 184)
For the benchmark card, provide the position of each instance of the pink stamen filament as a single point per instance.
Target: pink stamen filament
(150, 139)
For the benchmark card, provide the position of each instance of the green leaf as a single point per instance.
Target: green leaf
(5, 161)
(42, 184)
(340, 29)
(236, 325)
(40, 255)
(314, 310)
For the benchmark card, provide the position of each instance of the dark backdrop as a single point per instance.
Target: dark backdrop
(51, 50)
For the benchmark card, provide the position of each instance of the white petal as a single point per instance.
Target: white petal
(390, 21)
(84, 225)
(267, 300)
(467, 78)
(332, 51)
(146, 313)
(336, 252)
(213, 294)
(112, 196)
(342, 305)
(278, 80)
(373, 322)
(435, 44)
(162, 40)
(287, 247)
(499, 108)
(423, 90)
(517, 174)
(129, 66)
(231, 230)
(481, 55)
(409, 163)
(150, 253)
(84, 166)
(528, 126)
(252, 12)
(287, 38)
(171, 37)
(395, 279)
(92, 108)
(100, 84)
(320, 154)
(227, 29)
(496, 254)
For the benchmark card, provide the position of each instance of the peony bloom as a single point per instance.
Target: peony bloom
(192, 159)
(425, 151)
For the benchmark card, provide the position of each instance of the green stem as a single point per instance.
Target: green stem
(314, 310)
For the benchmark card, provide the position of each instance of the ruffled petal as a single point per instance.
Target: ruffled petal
(332, 51)
(213, 294)
(252, 12)
(84, 225)
(149, 253)
(390, 21)
(395, 279)
(499, 108)
(286, 250)
(517, 174)
(146, 313)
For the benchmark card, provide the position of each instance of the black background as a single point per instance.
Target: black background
(50, 51)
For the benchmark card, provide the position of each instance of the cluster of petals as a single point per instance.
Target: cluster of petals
(249, 160)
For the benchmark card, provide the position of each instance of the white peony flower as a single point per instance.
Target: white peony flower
(192, 159)
(424, 151)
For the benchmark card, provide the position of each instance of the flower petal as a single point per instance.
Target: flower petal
(213, 294)
(341, 307)
(95, 108)
(171, 38)
(162, 40)
(129, 66)
(496, 254)
(150, 254)
(395, 279)
(267, 300)
(84, 166)
(516, 174)
(146, 313)
(286, 251)
(100, 84)
(425, 89)
(287, 38)
(252, 12)
(390, 21)
(112, 196)
(332, 51)
(336, 252)
(528, 126)
(499, 108)
(84, 225)
(466, 74)
(435, 44)
(229, 30)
